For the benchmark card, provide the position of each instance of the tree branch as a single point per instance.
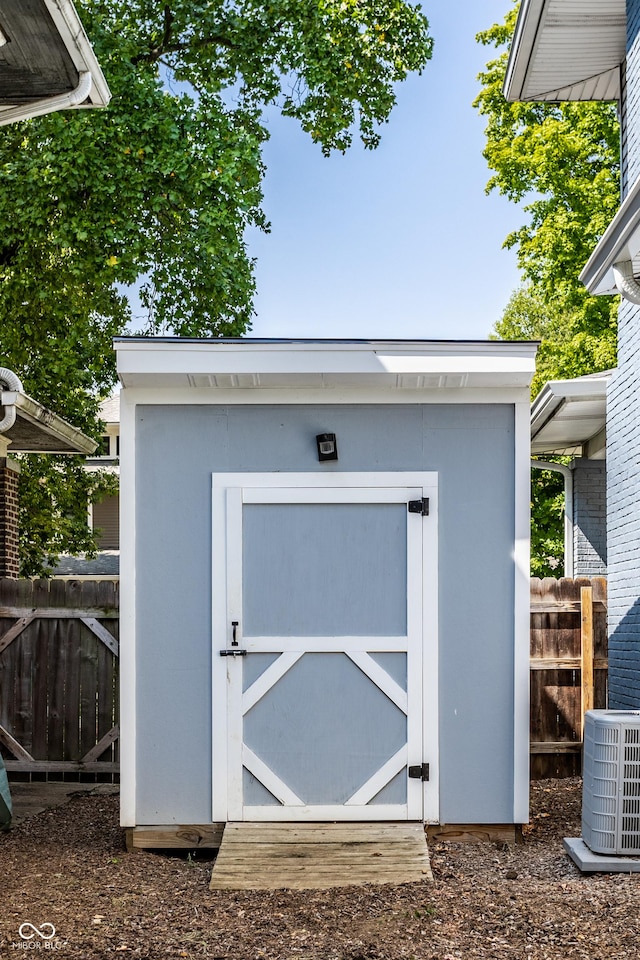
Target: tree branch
(196, 44)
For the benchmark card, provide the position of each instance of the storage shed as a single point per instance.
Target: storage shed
(325, 581)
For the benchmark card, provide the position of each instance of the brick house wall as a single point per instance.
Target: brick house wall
(623, 433)
(589, 518)
(9, 556)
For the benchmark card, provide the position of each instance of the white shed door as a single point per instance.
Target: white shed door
(323, 653)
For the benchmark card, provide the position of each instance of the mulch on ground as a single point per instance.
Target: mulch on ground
(67, 867)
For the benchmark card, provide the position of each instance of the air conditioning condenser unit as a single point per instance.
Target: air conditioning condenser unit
(611, 782)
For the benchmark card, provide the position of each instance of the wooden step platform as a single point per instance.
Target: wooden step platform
(274, 856)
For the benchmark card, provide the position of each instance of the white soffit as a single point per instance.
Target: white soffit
(621, 241)
(567, 50)
(275, 364)
(568, 414)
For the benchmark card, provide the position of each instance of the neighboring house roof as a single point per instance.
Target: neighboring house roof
(567, 50)
(568, 417)
(38, 430)
(46, 60)
(110, 409)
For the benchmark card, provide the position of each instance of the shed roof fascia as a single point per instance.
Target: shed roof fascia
(567, 50)
(299, 364)
(38, 430)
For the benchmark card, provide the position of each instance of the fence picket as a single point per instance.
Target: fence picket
(556, 675)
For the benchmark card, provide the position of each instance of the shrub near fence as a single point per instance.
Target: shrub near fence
(568, 669)
(59, 679)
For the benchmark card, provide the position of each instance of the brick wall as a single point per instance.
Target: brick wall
(9, 558)
(590, 518)
(623, 435)
(630, 107)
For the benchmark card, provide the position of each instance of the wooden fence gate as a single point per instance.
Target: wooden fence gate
(59, 678)
(568, 669)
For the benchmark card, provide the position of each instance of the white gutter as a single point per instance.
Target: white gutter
(60, 102)
(69, 26)
(568, 508)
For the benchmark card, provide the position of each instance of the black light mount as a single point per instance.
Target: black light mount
(327, 446)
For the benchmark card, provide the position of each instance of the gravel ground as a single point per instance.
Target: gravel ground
(67, 867)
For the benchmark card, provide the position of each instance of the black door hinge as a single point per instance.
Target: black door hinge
(420, 506)
(419, 772)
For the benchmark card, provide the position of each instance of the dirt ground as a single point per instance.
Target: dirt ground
(67, 867)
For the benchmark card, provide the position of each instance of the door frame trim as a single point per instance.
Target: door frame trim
(223, 596)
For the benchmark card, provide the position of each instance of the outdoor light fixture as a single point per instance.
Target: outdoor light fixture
(327, 446)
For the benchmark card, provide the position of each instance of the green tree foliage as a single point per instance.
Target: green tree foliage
(547, 526)
(159, 189)
(561, 161)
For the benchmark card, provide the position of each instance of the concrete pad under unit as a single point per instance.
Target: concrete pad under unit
(589, 862)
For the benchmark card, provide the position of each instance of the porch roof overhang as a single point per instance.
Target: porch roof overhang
(569, 417)
(620, 242)
(567, 50)
(46, 61)
(233, 364)
(38, 430)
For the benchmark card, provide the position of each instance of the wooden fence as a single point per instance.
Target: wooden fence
(59, 679)
(568, 669)
(59, 675)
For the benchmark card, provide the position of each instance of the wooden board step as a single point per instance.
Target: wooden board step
(275, 856)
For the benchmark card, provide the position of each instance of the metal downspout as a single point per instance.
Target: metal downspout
(567, 473)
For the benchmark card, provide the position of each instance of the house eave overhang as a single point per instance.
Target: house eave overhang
(46, 61)
(620, 242)
(300, 365)
(567, 50)
(38, 430)
(569, 416)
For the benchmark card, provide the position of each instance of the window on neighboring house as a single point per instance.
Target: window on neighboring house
(104, 449)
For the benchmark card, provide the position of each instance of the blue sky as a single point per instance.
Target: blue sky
(399, 242)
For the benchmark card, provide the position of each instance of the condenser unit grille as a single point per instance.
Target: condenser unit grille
(611, 791)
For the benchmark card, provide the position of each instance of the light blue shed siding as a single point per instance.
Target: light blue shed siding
(179, 447)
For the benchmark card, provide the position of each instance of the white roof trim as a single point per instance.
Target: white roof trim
(45, 432)
(69, 26)
(567, 50)
(621, 241)
(567, 414)
(277, 364)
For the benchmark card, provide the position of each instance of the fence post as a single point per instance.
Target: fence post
(586, 644)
